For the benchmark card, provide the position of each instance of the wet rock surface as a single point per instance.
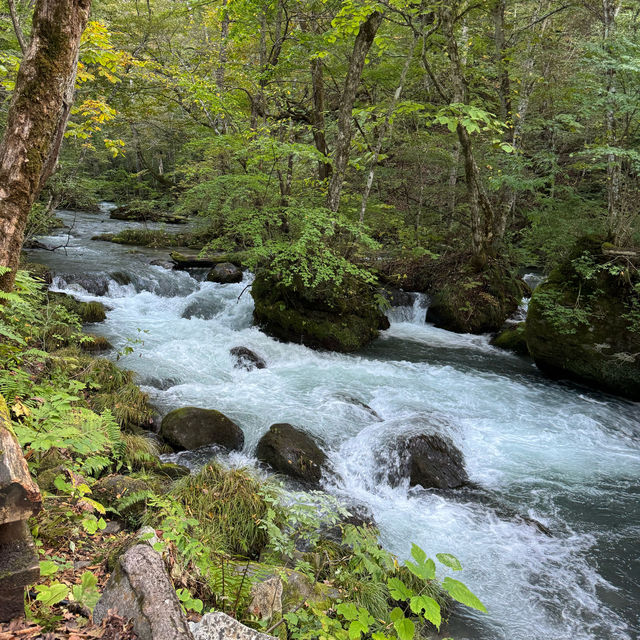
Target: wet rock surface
(192, 427)
(292, 452)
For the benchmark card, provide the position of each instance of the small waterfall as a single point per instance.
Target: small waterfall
(415, 313)
(107, 207)
(533, 281)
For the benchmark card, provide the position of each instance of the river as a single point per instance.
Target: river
(559, 453)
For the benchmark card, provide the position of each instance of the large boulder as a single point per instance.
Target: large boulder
(247, 359)
(434, 462)
(191, 428)
(512, 339)
(584, 321)
(292, 452)
(339, 318)
(225, 273)
(220, 626)
(471, 299)
(140, 590)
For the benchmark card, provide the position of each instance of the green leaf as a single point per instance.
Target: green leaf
(404, 628)
(348, 610)
(396, 614)
(426, 571)
(450, 561)
(48, 568)
(398, 589)
(356, 628)
(462, 594)
(431, 609)
(51, 594)
(418, 554)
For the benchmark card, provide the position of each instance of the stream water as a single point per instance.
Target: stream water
(564, 455)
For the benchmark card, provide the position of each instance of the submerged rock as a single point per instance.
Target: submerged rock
(434, 462)
(584, 321)
(344, 318)
(193, 427)
(225, 273)
(512, 339)
(141, 591)
(292, 452)
(247, 359)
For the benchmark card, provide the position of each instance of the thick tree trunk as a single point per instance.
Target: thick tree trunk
(482, 214)
(37, 118)
(317, 117)
(364, 40)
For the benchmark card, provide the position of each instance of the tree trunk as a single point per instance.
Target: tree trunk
(482, 213)
(364, 40)
(384, 128)
(610, 10)
(317, 117)
(37, 118)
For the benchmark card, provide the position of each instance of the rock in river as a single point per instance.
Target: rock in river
(292, 452)
(247, 359)
(434, 462)
(192, 428)
(225, 273)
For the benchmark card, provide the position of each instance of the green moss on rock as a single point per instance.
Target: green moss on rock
(512, 339)
(344, 319)
(584, 321)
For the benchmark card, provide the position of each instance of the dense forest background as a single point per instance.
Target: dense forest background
(497, 127)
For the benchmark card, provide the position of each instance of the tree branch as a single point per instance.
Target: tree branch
(16, 26)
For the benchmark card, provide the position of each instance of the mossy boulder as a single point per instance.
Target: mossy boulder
(192, 427)
(292, 452)
(96, 344)
(225, 273)
(172, 470)
(584, 321)
(88, 312)
(468, 299)
(512, 339)
(341, 318)
(111, 490)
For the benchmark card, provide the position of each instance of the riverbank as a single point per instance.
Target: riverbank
(540, 448)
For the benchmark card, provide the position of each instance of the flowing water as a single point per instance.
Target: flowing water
(563, 455)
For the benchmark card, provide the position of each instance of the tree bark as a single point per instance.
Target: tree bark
(482, 213)
(37, 118)
(317, 117)
(364, 40)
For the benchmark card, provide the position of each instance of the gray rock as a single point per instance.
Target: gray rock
(266, 598)
(191, 428)
(292, 452)
(224, 273)
(140, 590)
(434, 462)
(220, 626)
(247, 359)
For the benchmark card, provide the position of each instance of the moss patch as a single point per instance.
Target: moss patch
(584, 321)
